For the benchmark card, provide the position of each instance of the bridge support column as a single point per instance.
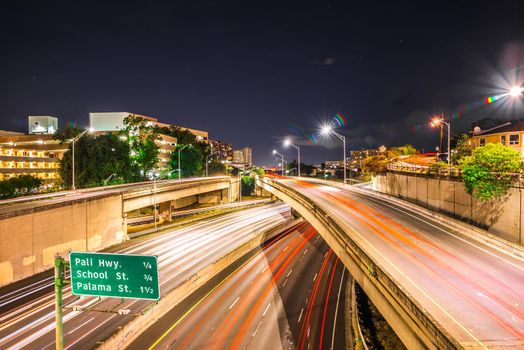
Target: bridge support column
(164, 210)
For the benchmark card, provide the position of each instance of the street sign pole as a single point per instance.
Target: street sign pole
(59, 283)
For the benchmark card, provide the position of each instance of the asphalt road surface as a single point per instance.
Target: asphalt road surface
(474, 291)
(27, 308)
(288, 295)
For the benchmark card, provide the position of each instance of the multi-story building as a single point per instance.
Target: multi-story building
(114, 121)
(357, 157)
(221, 150)
(30, 154)
(335, 164)
(243, 156)
(509, 134)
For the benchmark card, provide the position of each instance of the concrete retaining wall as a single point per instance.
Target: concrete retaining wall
(501, 217)
(29, 242)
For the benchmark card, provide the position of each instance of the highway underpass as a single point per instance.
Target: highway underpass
(437, 287)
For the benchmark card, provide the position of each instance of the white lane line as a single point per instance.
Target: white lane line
(314, 278)
(264, 270)
(97, 326)
(305, 251)
(300, 316)
(236, 300)
(336, 310)
(283, 284)
(286, 248)
(265, 311)
(326, 254)
(256, 329)
(289, 273)
(411, 281)
(82, 325)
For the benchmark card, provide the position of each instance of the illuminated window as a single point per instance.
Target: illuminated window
(514, 139)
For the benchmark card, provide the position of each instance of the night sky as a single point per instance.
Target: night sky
(251, 72)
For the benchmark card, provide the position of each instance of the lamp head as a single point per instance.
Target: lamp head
(287, 142)
(274, 151)
(91, 130)
(326, 129)
(436, 121)
(516, 91)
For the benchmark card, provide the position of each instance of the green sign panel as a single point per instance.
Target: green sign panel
(114, 275)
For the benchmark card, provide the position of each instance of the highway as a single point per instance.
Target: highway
(289, 294)
(474, 291)
(27, 309)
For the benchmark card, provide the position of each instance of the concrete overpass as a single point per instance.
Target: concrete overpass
(437, 288)
(33, 232)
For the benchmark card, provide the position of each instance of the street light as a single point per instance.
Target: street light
(180, 150)
(516, 91)
(287, 142)
(328, 129)
(439, 121)
(282, 156)
(73, 141)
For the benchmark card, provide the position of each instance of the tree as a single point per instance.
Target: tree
(378, 164)
(67, 134)
(462, 149)
(487, 173)
(97, 159)
(141, 137)
(406, 150)
(191, 159)
(19, 185)
(248, 185)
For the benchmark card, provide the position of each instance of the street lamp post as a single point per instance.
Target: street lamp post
(439, 121)
(288, 142)
(179, 169)
(326, 130)
(73, 141)
(282, 156)
(155, 178)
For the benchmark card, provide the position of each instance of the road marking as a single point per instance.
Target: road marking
(283, 284)
(264, 270)
(336, 309)
(82, 325)
(267, 307)
(289, 273)
(314, 278)
(236, 300)
(256, 329)
(300, 316)
(286, 248)
(305, 251)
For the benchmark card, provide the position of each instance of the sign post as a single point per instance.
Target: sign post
(114, 275)
(60, 265)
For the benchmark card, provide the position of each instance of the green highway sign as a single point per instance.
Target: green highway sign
(114, 275)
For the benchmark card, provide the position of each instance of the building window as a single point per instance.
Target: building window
(514, 139)
(503, 139)
(482, 142)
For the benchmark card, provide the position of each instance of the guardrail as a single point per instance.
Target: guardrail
(442, 339)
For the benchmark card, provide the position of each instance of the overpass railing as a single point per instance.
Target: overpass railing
(442, 339)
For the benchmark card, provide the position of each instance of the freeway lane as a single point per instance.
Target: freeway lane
(27, 320)
(288, 295)
(475, 292)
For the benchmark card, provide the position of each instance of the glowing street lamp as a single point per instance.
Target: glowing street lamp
(73, 141)
(287, 142)
(516, 91)
(439, 121)
(328, 129)
(282, 156)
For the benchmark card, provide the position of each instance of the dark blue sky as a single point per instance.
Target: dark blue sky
(250, 72)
